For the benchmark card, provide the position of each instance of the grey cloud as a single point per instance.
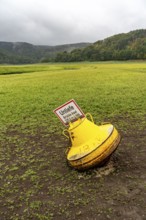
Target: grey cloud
(55, 22)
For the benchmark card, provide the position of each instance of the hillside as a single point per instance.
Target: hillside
(127, 46)
(21, 52)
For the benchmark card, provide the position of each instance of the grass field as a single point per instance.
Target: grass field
(35, 181)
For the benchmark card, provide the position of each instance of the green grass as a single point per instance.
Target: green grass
(35, 181)
(103, 89)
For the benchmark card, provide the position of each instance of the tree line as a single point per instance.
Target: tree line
(130, 46)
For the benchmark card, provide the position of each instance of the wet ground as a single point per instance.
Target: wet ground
(36, 182)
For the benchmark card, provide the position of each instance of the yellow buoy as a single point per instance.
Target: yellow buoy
(91, 144)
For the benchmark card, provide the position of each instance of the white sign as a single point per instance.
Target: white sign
(69, 112)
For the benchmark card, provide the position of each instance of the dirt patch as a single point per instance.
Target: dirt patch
(37, 183)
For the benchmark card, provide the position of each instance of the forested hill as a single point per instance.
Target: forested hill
(21, 52)
(127, 46)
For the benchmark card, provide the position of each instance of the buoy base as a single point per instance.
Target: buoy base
(99, 155)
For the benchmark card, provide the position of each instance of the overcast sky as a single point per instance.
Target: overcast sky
(54, 22)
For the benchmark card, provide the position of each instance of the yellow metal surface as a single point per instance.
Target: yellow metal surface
(91, 144)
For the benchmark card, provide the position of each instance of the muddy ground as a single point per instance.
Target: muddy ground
(36, 182)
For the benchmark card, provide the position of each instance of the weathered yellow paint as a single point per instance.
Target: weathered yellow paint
(91, 144)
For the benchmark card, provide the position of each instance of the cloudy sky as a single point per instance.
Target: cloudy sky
(54, 22)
